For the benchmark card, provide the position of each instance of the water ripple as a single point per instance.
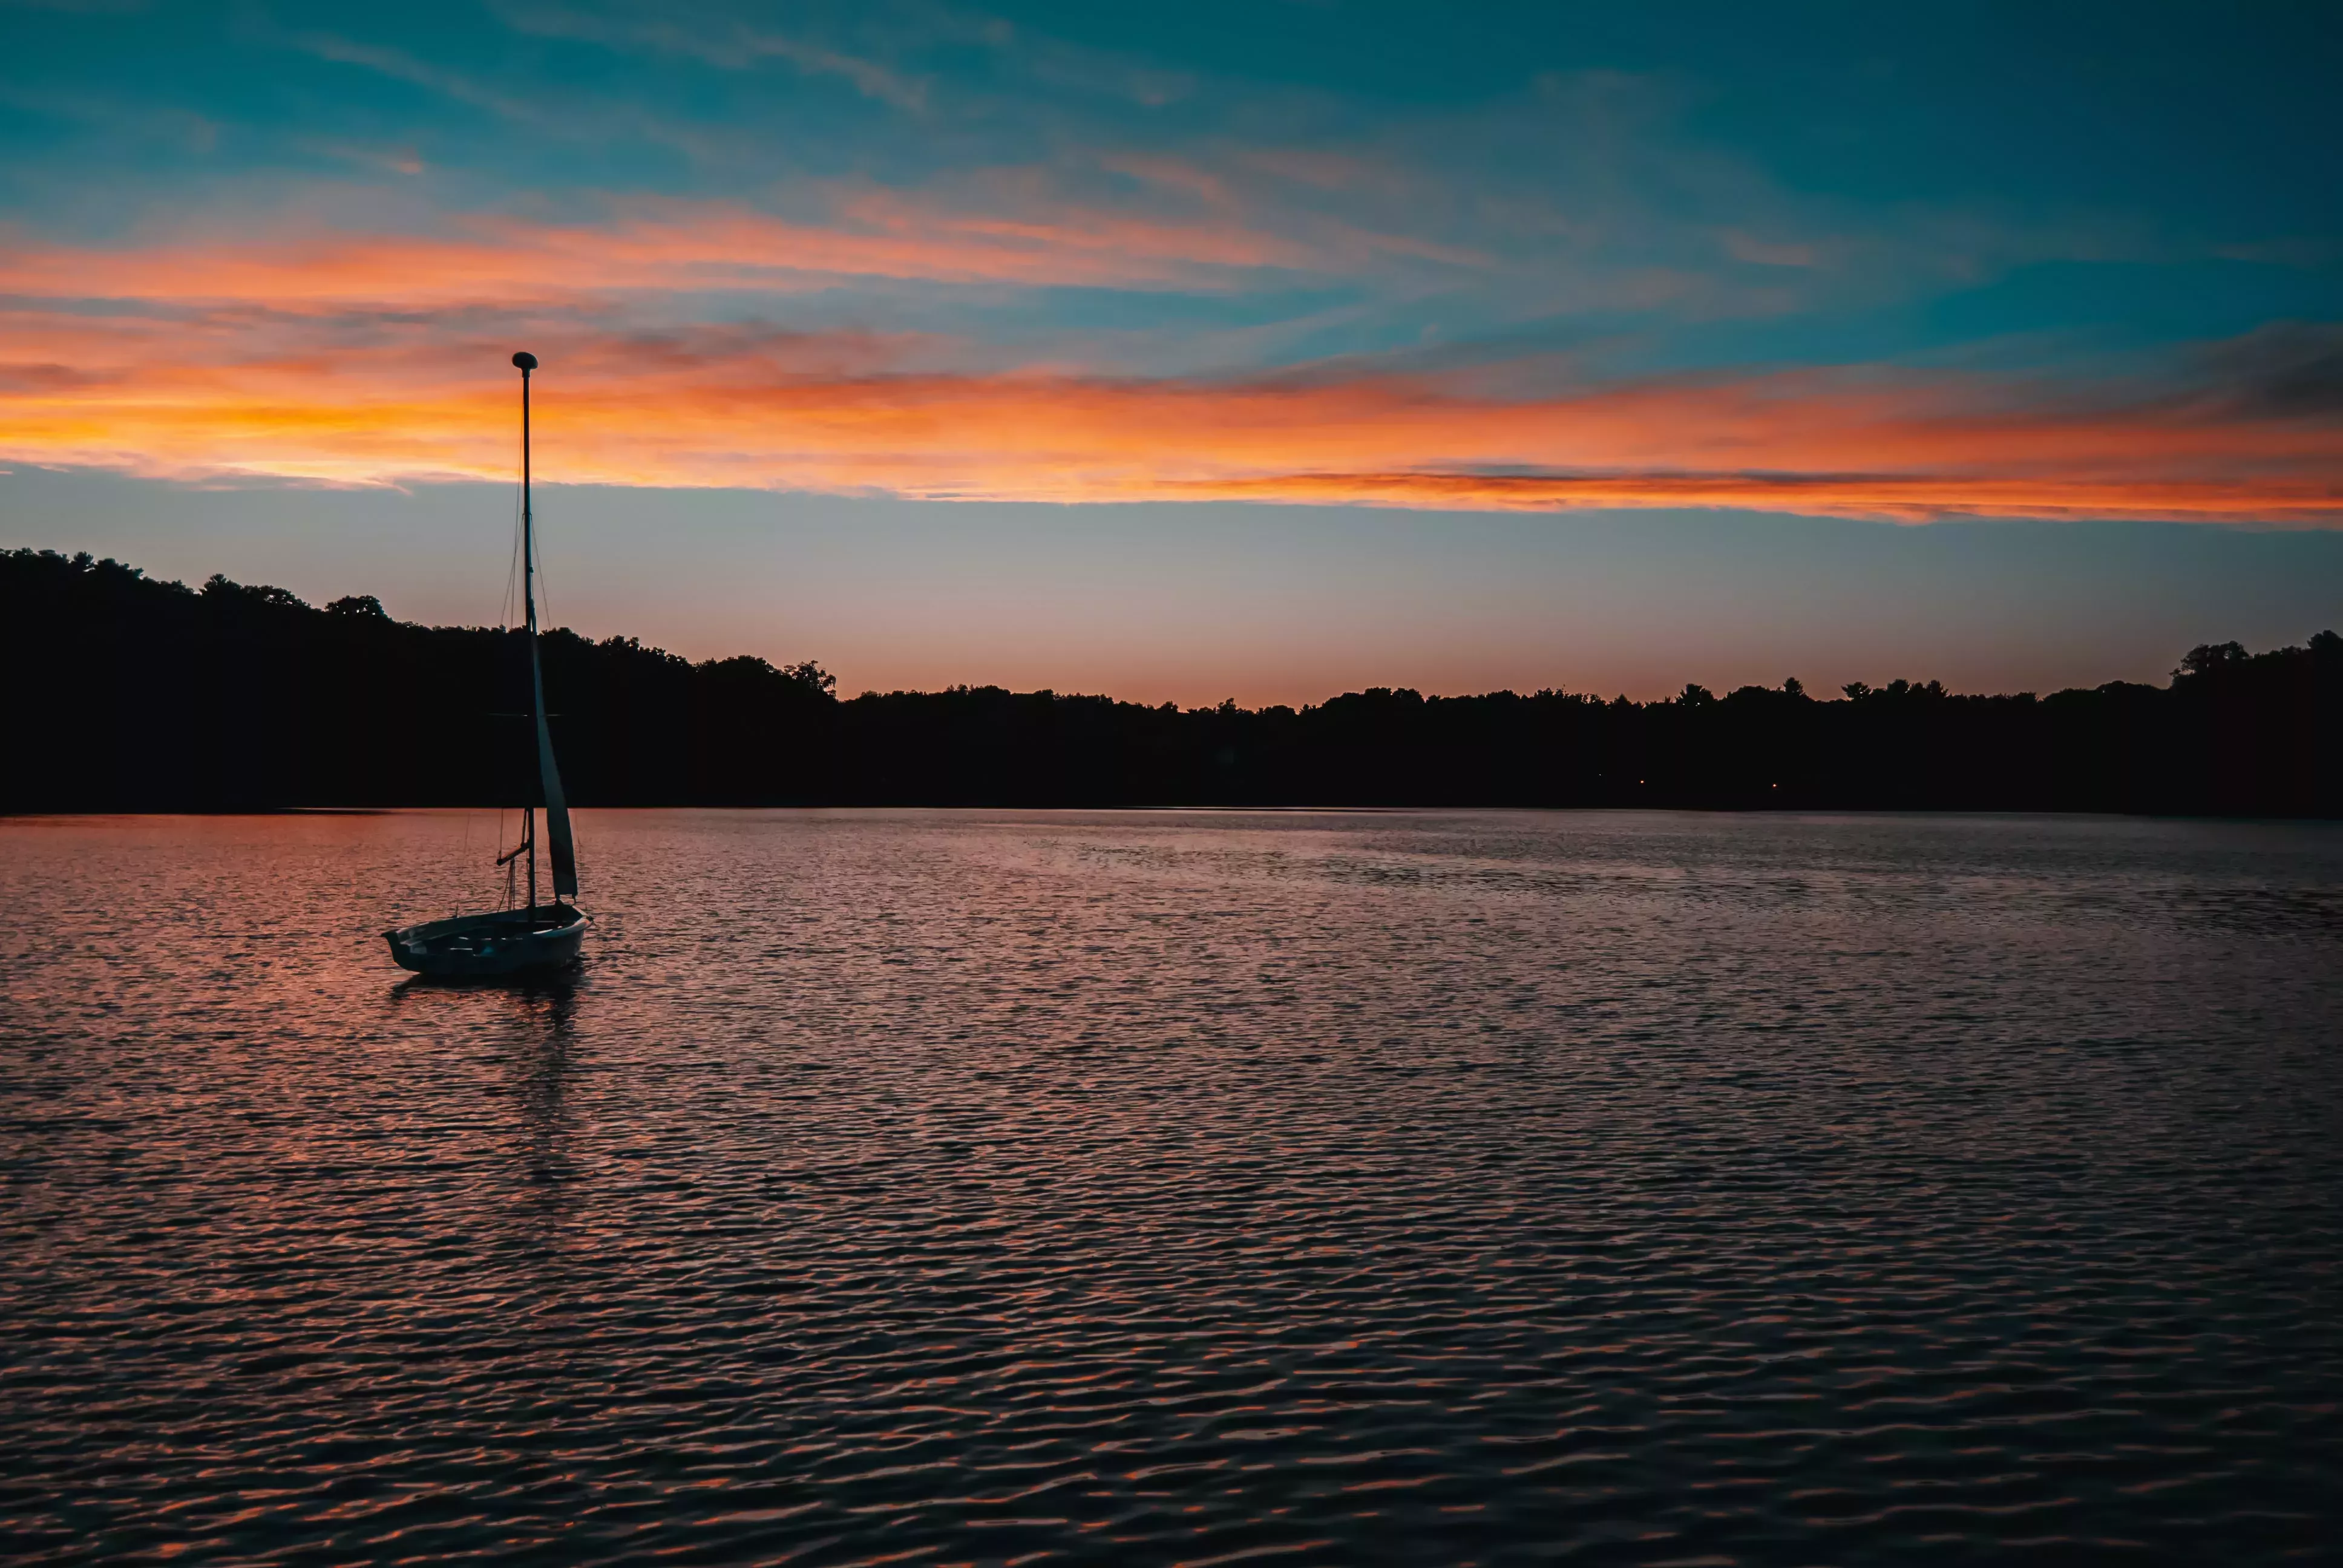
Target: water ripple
(1179, 1188)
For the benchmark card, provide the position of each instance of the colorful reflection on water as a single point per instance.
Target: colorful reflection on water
(1176, 1187)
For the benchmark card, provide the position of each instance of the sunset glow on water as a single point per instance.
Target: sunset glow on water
(1261, 781)
(1157, 1188)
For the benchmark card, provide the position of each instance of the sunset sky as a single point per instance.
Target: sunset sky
(1260, 349)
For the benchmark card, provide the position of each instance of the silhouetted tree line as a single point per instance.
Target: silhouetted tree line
(125, 693)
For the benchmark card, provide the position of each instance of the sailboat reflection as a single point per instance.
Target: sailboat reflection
(543, 1058)
(528, 1024)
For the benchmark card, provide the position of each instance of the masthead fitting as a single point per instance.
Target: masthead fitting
(526, 360)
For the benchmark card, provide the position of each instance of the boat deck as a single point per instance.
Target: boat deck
(502, 941)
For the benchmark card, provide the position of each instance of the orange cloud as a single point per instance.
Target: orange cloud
(670, 246)
(362, 360)
(752, 408)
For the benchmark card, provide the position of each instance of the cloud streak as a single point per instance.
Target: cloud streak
(1303, 307)
(2229, 435)
(1022, 237)
(727, 42)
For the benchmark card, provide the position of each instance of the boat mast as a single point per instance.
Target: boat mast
(527, 363)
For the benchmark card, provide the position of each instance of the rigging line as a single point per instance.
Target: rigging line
(512, 566)
(544, 598)
(512, 570)
(535, 547)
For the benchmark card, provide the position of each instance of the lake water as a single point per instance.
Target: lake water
(1152, 1188)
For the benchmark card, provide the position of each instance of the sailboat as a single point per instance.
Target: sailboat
(540, 936)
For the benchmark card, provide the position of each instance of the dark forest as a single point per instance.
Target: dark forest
(128, 693)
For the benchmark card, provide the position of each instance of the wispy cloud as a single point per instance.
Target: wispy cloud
(726, 42)
(661, 247)
(117, 116)
(2230, 436)
(1284, 296)
(386, 158)
(400, 65)
(1020, 227)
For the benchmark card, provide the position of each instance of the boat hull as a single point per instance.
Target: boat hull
(503, 942)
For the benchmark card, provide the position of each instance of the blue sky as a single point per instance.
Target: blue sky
(1186, 352)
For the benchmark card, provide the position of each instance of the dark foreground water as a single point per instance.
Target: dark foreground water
(917, 1188)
